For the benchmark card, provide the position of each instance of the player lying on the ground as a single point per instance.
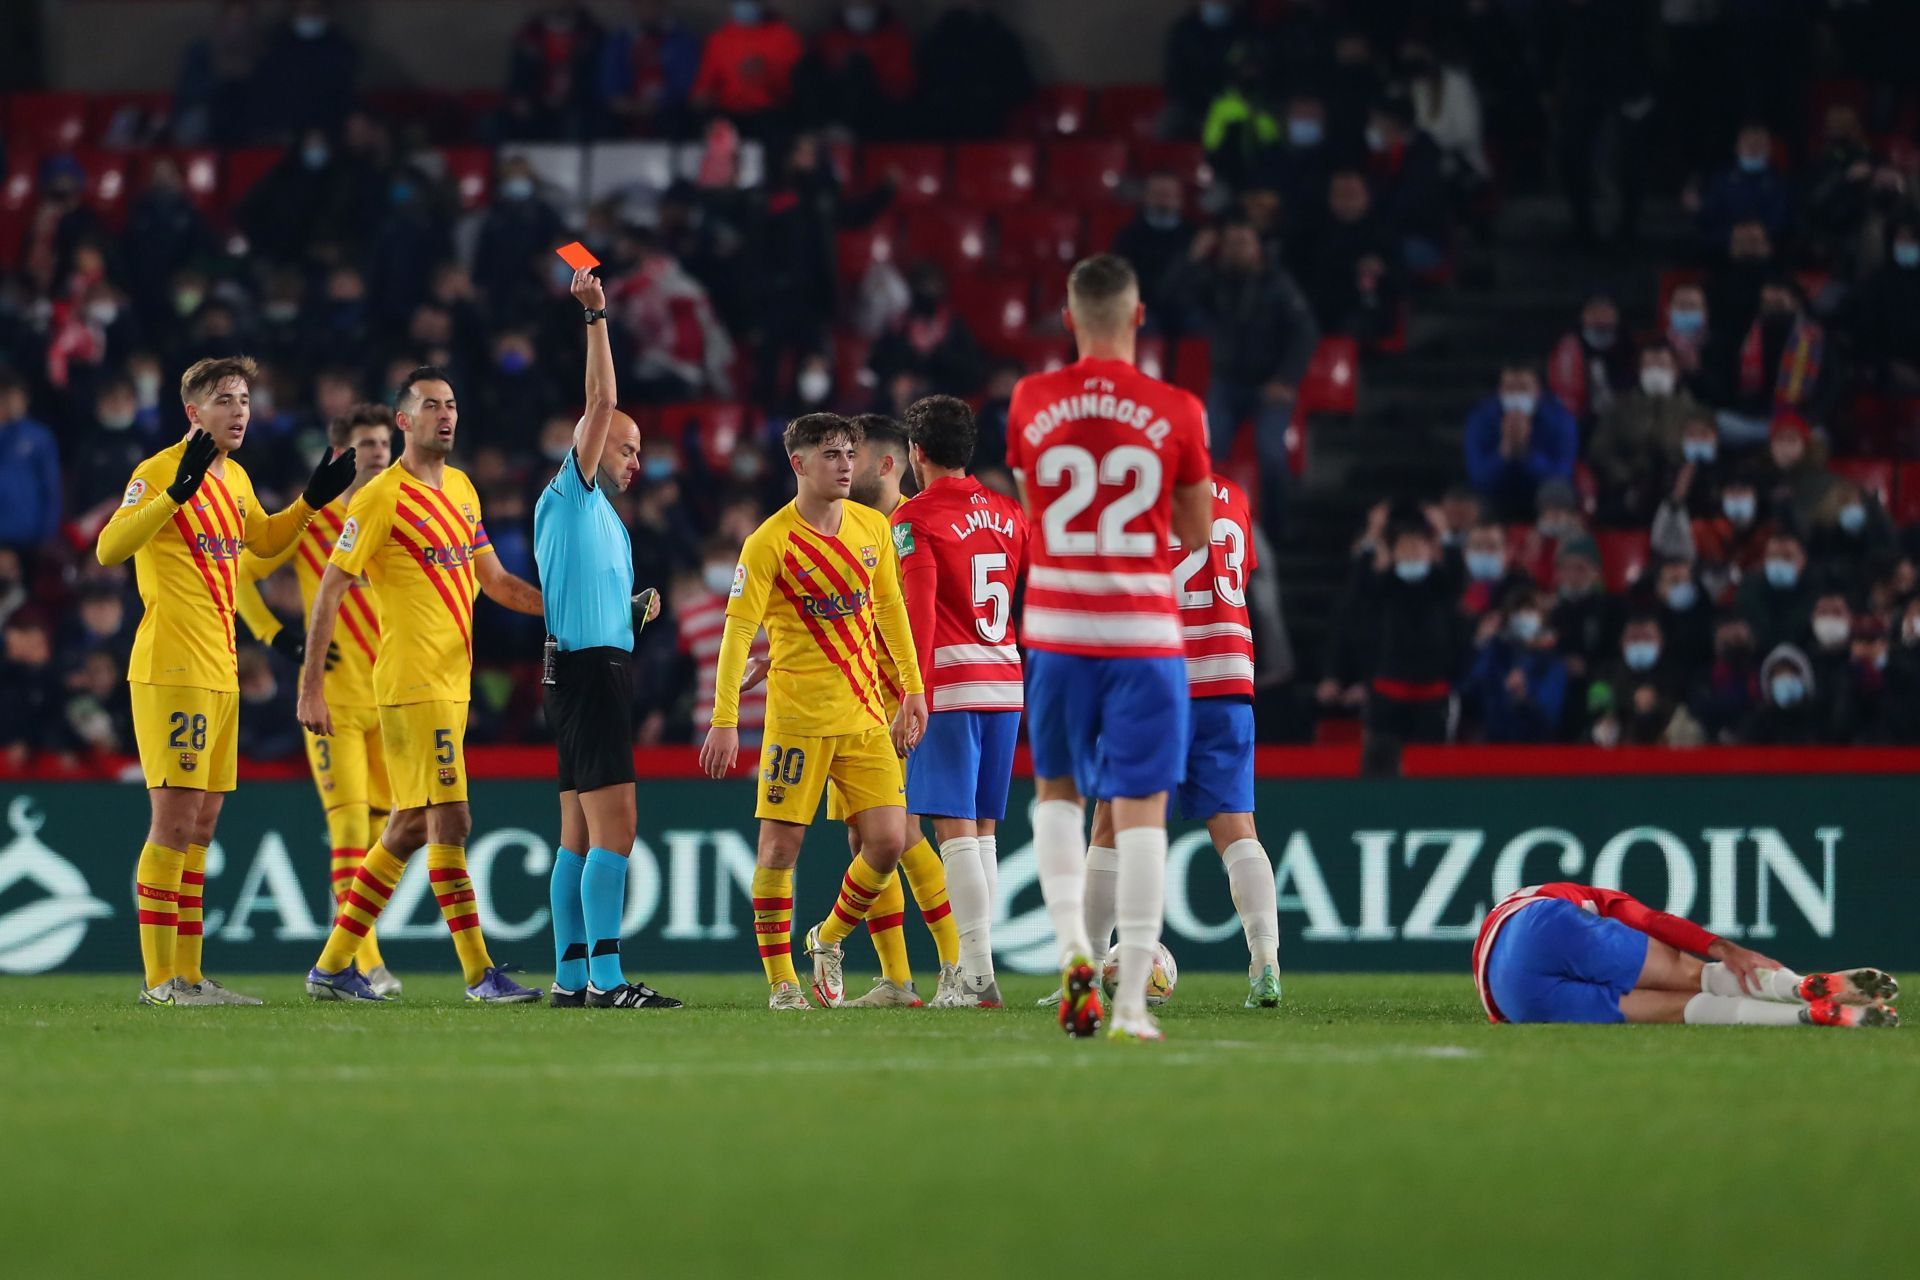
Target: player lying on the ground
(1574, 953)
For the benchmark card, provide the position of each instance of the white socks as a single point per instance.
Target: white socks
(1250, 877)
(1060, 856)
(1103, 884)
(972, 908)
(990, 867)
(1780, 985)
(1139, 907)
(1709, 1010)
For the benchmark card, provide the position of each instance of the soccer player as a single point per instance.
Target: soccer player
(882, 461)
(188, 512)
(349, 768)
(586, 571)
(415, 534)
(1575, 953)
(1110, 462)
(962, 548)
(1211, 584)
(821, 574)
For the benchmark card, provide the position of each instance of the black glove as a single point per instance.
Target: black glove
(333, 654)
(199, 455)
(331, 476)
(289, 644)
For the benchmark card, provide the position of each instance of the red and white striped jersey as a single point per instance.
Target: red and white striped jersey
(962, 547)
(1211, 585)
(702, 621)
(1100, 447)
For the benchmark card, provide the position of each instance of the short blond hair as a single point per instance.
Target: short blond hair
(203, 377)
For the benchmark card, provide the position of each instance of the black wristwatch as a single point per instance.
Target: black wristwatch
(593, 316)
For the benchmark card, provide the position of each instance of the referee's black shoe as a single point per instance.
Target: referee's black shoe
(561, 998)
(629, 995)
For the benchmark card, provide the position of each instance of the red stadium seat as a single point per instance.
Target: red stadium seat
(1187, 159)
(1150, 355)
(1054, 111)
(109, 186)
(1875, 475)
(1193, 365)
(47, 122)
(1084, 170)
(1906, 495)
(994, 308)
(920, 168)
(245, 167)
(858, 248)
(1331, 383)
(199, 168)
(719, 427)
(1129, 111)
(18, 193)
(1039, 237)
(1105, 223)
(469, 171)
(995, 174)
(953, 236)
(1623, 554)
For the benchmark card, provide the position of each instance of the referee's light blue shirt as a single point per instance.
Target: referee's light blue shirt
(586, 564)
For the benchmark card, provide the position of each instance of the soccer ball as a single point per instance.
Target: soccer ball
(1159, 983)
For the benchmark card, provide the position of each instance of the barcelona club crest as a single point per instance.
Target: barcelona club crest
(870, 557)
(466, 509)
(189, 762)
(447, 777)
(775, 793)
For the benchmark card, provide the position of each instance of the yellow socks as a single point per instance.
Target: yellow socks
(927, 877)
(447, 870)
(193, 882)
(858, 888)
(773, 923)
(347, 826)
(360, 905)
(156, 893)
(884, 920)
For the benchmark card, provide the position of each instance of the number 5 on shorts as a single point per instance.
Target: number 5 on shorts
(443, 746)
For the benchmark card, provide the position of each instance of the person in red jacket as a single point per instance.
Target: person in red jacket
(747, 70)
(1576, 953)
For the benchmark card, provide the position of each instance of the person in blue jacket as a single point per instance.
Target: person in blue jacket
(1515, 439)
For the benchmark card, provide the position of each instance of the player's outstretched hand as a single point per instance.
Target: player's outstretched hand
(199, 455)
(588, 291)
(1743, 963)
(720, 750)
(757, 669)
(289, 644)
(313, 713)
(330, 478)
(911, 723)
(647, 605)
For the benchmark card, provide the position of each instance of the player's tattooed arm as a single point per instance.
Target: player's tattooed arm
(503, 588)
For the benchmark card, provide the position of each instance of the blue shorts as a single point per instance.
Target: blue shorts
(1116, 726)
(1219, 760)
(963, 765)
(1553, 962)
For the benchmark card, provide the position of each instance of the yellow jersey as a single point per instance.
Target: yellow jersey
(186, 560)
(416, 546)
(828, 602)
(349, 681)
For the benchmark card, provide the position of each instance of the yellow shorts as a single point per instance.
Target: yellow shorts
(862, 767)
(425, 761)
(350, 768)
(188, 737)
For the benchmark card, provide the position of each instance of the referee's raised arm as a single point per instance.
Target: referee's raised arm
(596, 422)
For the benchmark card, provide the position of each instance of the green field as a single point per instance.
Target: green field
(1373, 1126)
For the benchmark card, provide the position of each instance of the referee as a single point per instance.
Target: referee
(586, 576)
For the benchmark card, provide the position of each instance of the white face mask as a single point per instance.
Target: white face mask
(1518, 402)
(1657, 382)
(1830, 631)
(813, 385)
(718, 577)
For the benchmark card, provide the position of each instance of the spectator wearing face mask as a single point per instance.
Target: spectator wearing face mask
(1157, 239)
(1828, 643)
(1350, 265)
(1794, 711)
(1780, 364)
(1688, 334)
(1881, 317)
(1403, 166)
(1517, 439)
(1685, 617)
(746, 70)
(305, 203)
(1595, 364)
(517, 228)
(1635, 698)
(1489, 576)
(1839, 187)
(1561, 516)
(553, 83)
(647, 69)
(930, 341)
(306, 80)
(1195, 59)
(1726, 545)
(1778, 601)
(1733, 294)
(1300, 165)
(1416, 642)
(859, 74)
(1697, 470)
(1585, 619)
(1794, 477)
(1750, 189)
(1851, 530)
(1638, 442)
(30, 482)
(1516, 688)
(1725, 696)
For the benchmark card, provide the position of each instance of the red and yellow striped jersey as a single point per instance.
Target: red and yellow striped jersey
(828, 602)
(349, 682)
(186, 560)
(416, 546)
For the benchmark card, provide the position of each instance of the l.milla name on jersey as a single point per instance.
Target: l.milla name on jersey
(982, 518)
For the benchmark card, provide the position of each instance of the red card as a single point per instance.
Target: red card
(577, 256)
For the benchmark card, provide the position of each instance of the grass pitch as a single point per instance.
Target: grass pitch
(1373, 1126)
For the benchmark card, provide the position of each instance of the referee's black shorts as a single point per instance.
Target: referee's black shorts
(590, 708)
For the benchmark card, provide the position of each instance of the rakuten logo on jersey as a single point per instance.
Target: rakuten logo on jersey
(834, 605)
(445, 557)
(219, 548)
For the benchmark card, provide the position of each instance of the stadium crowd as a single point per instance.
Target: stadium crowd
(1650, 542)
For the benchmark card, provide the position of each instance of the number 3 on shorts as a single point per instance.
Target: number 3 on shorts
(443, 746)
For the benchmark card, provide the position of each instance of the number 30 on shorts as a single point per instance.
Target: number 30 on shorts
(188, 731)
(786, 766)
